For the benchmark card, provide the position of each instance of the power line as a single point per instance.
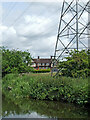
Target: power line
(9, 11)
(8, 6)
(18, 18)
(43, 22)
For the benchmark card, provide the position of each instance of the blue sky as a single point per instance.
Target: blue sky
(32, 26)
(35, 29)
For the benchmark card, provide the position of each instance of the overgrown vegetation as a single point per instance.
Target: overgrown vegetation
(15, 61)
(72, 86)
(41, 70)
(44, 87)
(76, 65)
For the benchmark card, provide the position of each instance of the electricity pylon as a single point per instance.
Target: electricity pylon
(74, 29)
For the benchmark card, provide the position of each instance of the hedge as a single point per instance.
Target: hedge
(41, 70)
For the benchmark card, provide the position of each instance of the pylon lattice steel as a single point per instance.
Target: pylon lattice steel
(74, 29)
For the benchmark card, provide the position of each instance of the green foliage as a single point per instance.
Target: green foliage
(77, 65)
(44, 87)
(15, 61)
(41, 71)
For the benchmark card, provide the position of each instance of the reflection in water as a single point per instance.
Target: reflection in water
(27, 108)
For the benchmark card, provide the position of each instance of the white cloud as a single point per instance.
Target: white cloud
(34, 25)
(35, 19)
(42, 47)
(3, 28)
(34, 32)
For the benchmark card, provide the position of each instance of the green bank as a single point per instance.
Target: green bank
(42, 86)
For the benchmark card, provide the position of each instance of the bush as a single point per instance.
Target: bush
(43, 86)
(77, 65)
(15, 61)
(41, 70)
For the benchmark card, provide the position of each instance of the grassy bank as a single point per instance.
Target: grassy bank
(43, 86)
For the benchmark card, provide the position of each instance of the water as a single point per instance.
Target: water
(27, 108)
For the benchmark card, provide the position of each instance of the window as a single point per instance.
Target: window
(47, 64)
(43, 64)
(46, 67)
(39, 64)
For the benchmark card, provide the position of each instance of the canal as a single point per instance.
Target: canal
(28, 108)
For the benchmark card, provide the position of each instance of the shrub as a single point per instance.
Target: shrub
(15, 61)
(43, 86)
(76, 65)
(41, 70)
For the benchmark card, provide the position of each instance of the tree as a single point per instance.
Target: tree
(76, 65)
(15, 61)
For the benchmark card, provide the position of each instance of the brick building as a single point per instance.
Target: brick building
(42, 63)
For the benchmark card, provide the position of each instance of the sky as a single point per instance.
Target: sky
(31, 26)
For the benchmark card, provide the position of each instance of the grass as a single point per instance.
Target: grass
(44, 87)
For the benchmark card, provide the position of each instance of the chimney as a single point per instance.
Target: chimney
(51, 57)
(38, 57)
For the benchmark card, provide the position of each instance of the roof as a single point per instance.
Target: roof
(42, 60)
